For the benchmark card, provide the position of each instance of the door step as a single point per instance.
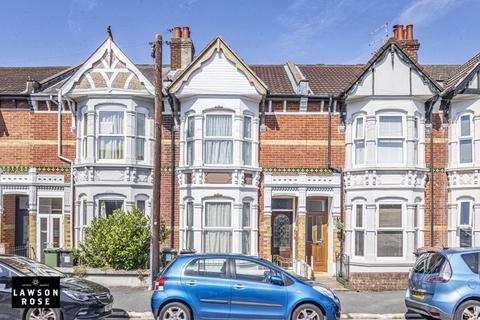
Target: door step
(329, 281)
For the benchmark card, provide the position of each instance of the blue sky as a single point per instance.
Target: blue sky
(64, 32)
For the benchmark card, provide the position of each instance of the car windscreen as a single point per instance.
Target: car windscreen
(31, 268)
(429, 263)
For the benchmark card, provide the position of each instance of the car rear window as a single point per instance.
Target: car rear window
(429, 263)
(213, 268)
(471, 260)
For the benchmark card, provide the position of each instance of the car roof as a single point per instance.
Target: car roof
(216, 255)
(449, 251)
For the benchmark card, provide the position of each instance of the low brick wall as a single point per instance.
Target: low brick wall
(378, 281)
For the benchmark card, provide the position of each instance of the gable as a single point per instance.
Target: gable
(108, 70)
(393, 73)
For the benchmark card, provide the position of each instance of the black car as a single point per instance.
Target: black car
(79, 298)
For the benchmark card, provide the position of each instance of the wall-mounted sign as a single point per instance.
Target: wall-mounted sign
(35, 292)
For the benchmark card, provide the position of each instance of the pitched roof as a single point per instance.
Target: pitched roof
(275, 77)
(441, 72)
(326, 80)
(462, 72)
(13, 80)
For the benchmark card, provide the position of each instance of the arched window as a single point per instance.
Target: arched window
(189, 236)
(390, 230)
(359, 229)
(359, 140)
(247, 141)
(465, 222)
(246, 227)
(190, 140)
(217, 227)
(465, 139)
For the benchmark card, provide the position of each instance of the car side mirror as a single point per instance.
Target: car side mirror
(276, 280)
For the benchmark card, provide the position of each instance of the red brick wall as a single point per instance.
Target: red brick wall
(378, 281)
(8, 225)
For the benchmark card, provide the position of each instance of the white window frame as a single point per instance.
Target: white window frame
(465, 138)
(217, 138)
(356, 228)
(247, 140)
(99, 110)
(108, 198)
(84, 134)
(356, 140)
(226, 229)
(141, 137)
(247, 228)
(416, 141)
(189, 140)
(189, 228)
(390, 138)
(395, 229)
(467, 227)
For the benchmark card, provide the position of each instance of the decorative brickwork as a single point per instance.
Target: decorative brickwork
(301, 237)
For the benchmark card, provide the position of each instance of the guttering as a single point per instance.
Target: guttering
(69, 161)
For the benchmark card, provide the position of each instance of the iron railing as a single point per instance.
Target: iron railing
(343, 268)
(24, 250)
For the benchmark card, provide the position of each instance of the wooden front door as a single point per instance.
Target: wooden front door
(282, 234)
(316, 241)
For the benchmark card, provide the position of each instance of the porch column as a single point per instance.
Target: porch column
(32, 223)
(267, 224)
(67, 218)
(300, 226)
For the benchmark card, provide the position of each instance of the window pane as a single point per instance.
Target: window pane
(111, 122)
(415, 128)
(390, 151)
(107, 207)
(218, 214)
(319, 228)
(390, 216)
(245, 242)
(110, 147)
(359, 216)
(247, 127)
(140, 124)
(190, 127)
(390, 126)
(215, 268)
(189, 240)
(315, 206)
(246, 215)
(282, 203)
(471, 260)
(464, 213)
(389, 243)
(359, 152)
(415, 217)
(247, 153)
(219, 126)
(84, 212)
(217, 241)
(359, 243)
(51, 205)
(189, 214)
(140, 146)
(218, 151)
(251, 271)
(466, 151)
(85, 124)
(359, 128)
(465, 238)
(141, 205)
(309, 228)
(190, 152)
(465, 126)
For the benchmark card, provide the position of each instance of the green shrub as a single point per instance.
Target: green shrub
(119, 241)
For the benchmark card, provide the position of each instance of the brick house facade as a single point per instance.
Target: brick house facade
(299, 164)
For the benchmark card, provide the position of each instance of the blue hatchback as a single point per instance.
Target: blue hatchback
(197, 286)
(446, 284)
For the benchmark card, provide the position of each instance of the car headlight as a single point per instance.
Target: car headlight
(325, 291)
(78, 296)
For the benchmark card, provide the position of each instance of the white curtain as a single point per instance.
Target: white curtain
(359, 128)
(219, 126)
(217, 241)
(359, 152)
(190, 152)
(247, 127)
(218, 214)
(218, 151)
(189, 214)
(390, 151)
(246, 215)
(140, 124)
(465, 126)
(247, 153)
(246, 242)
(190, 127)
(466, 151)
(111, 122)
(111, 147)
(391, 126)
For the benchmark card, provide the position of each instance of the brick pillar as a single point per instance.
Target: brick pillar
(32, 234)
(267, 237)
(66, 231)
(301, 236)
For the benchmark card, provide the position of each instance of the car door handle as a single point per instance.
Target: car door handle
(239, 286)
(192, 283)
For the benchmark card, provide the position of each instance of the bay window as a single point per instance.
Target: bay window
(107, 207)
(359, 233)
(111, 135)
(140, 138)
(465, 224)
(189, 238)
(415, 227)
(218, 139)
(246, 226)
(465, 139)
(390, 139)
(359, 140)
(84, 135)
(390, 231)
(190, 135)
(247, 141)
(217, 235)
(415, 142)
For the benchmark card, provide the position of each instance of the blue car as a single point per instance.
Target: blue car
(207, 286)
(445, 284)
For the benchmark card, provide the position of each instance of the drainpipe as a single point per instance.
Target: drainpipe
(173, 102)
(429, 104)
(62, 158)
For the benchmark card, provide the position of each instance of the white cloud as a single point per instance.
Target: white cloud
(422, 12)
(77, 9)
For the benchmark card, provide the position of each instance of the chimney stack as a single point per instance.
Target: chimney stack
(181, 48)
(404, 37)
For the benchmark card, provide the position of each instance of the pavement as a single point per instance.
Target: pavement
(134, 303)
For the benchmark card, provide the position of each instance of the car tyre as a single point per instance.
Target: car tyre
(307, 311)
(468, 310)
(175, 310)
(43, 313)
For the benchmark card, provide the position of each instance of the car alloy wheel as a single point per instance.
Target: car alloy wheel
(471, 312)
(175, 311)
(42, 314)
(307, 312)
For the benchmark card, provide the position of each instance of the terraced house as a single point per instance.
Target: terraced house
(320, 168)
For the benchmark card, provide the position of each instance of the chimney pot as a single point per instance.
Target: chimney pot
(186, 32)
(395, 31)
(177, 32)
(409, 32)
(400, 32)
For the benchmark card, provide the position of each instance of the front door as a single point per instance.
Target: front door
(282, 237)
(21, 226)
(49, 233)
(316, 240)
